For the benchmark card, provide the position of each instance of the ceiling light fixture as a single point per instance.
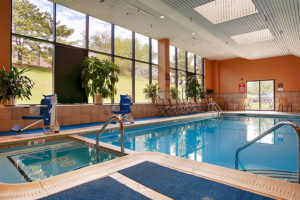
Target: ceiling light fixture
(162, 17)
(253, 37)
(224, 10)
(193, 33)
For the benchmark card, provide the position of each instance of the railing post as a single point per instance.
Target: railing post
(102, 130)
(270, 130)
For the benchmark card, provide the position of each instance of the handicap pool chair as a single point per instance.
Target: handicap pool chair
(45, 115)
(125, 111)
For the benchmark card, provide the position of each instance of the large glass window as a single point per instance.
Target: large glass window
(37, 57)
(32, 18)
(123, 42)
(191, 62)
(199, 64)
(154, 51)
(181, 59)
(141, 47)
(172, 57)
(70, 23)
(141, 80)
(99, 35)
(124, 86)
(154, 74)
(172, 78)
(181, 83)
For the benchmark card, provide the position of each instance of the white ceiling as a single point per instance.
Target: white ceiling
(213, 41)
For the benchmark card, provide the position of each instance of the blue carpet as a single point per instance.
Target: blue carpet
(105, 188)
(179, 185)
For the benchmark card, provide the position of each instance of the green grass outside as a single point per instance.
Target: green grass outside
(43, 85)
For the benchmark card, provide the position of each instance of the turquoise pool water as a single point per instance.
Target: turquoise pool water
(36, 162)
(216, 140)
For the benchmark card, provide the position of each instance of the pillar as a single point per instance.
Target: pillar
(164, 68)
(5, 24)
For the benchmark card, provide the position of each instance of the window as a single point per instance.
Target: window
(181, 59)
(154, 74)
(141, 80)
(199, 64)
(181, 83)
(172, 57)
(32, 18)
(172, 78)
(123, 42)
(154, 51)
(99, 35)
(124, 86)
(70, 27)
(141, 47)
(36, 56)
(191, 63)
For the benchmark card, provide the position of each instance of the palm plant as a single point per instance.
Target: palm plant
(151, 91)
(14, 84)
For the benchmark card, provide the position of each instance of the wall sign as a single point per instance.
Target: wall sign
(280, 87)
(242, 87)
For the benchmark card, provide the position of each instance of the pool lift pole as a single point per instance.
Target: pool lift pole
(116, 118)
(277, 126)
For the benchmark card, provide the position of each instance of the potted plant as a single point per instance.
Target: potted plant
(99, 78)
(14, 84)
(151, 91)
(209, 92)
(193, 88)
(174, 93)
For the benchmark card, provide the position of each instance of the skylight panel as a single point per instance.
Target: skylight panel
(253, 37)
(219, 11)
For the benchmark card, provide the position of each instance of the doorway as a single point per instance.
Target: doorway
(260, 95)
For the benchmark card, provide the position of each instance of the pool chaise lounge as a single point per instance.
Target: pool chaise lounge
(153, 176)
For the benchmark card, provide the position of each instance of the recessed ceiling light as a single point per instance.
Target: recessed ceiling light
(253, 37)
(162, 17)
(193, 33)
(224, 10)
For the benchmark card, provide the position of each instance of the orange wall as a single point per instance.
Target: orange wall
(225, 75)
(5, 24)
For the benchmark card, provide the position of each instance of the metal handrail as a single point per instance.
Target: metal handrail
(215, 106)
(117, 118)
(277, 126)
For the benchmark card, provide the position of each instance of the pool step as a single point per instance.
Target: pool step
(290, 176)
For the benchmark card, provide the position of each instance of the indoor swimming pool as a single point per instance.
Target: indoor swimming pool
(36, 162)
(216, 140)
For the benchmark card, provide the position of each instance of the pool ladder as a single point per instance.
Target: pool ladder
(277, 126)
(113, 117)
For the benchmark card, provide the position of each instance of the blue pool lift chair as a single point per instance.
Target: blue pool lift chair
(47, 115)
(125, 111)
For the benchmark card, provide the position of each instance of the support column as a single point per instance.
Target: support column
(164, 68)
(5, 24)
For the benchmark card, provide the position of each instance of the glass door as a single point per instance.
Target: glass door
(253, 95)
(260, 95)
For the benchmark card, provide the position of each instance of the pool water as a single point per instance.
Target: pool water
(215, 141)
(33, 163)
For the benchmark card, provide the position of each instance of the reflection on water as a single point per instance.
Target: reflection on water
(216, 140)
(259, 125)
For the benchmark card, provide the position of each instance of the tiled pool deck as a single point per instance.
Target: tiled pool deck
(258, 185)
